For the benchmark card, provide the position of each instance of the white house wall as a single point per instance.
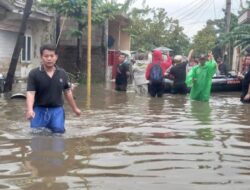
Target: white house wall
(41, 33)
(66, 38)
(7, 41)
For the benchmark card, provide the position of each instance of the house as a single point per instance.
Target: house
(118, 40)
(40, 29)
(107, 39)
(244, 18)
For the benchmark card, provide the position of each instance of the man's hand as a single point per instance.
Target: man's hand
(239, 75)
(247, 97)
(77, 111)
(30, 114)
(210, 56)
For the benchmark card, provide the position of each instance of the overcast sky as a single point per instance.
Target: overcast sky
(192, 14)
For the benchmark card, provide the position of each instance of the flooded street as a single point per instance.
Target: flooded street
(125, 141)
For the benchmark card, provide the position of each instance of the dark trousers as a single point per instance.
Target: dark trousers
(155, 89)
(121, 87)
(179, 88)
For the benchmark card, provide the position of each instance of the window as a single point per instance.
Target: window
(26, 49)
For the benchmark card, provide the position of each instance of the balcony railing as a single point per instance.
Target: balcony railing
(244, 18)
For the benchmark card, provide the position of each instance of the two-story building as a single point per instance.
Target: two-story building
(244, 18)
(39, 30)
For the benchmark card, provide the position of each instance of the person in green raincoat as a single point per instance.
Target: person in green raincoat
(199, 78)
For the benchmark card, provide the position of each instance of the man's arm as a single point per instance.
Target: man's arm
(247, 97)
(70, 99)
(147, 73)
(211, 64)
(30, 99)
(190, 55)
(190, 77)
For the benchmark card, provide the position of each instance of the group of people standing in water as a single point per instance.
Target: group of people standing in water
(185, 72)
(47, 83)
(198, 78)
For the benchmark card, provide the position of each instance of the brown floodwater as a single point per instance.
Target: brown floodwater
(127, 141)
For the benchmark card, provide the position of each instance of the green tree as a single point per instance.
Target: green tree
(240, 36)
(77, 10)
(152, 28)
(220, 25)
(205, 40)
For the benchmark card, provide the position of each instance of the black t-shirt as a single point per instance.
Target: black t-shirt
(48, 90)
(245, 85)
(179, 73)
(222, 68)
(121, 76)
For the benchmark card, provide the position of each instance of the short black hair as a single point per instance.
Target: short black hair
(202, 57)
(50, 47)
(122, 53)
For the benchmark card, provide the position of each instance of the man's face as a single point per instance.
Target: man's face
(248, 60)
(122, 58)
(219, 61)
(202, 61)
(49, 58)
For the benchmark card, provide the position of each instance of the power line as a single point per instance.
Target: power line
(194, 11)
(215, 17)
(205, 8)
(183, 8)
(190, 10)
(200, 13)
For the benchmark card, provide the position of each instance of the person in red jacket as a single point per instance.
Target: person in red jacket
(155, 74)
(167, 63)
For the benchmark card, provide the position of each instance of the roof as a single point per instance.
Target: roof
(17, 7)
(6, 5)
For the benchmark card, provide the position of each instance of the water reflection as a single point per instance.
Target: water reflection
(127, 141)
(205, 134)
(50, 158)
(46, 160)
(156, 105)
(201, 111)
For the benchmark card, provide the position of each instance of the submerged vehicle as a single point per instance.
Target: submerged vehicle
(220, 83)
(226, 83)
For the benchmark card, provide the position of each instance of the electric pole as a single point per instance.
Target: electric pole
(227, 51)
(228, 15)
(89, 53)
(241, 5)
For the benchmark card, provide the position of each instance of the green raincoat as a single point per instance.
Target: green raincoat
(199, 78)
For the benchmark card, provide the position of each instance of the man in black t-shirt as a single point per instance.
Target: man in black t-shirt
(245, 94)
(221, 67)
(178, 73)
(121, 80)
(45, 87)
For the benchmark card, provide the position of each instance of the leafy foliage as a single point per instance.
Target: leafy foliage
(204, 41)
(240, 36)
(152, 28)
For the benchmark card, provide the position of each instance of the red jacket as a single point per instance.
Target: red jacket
(157, 58)
(167, 64)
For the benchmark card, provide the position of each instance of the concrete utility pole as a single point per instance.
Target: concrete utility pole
(228, 15)
(241, 4)
(227, 52)
(89, 52)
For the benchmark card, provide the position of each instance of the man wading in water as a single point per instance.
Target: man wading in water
(199, 78)
(45, 86)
